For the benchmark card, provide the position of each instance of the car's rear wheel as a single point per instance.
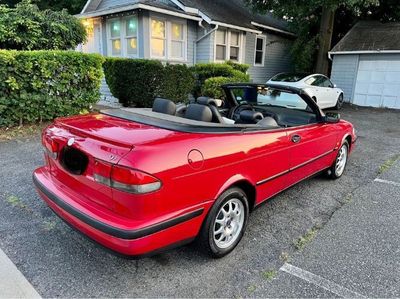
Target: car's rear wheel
(338, 167)
(225, 223)
(339, 102)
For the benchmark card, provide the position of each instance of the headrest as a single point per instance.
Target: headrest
(249, 116)
(164, 106)
(198, 112)
(206, 101)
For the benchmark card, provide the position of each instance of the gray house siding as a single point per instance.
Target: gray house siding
(344, 74)
(204, 47)
(277, 57)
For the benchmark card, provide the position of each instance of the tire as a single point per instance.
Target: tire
(339, 165)
(224, 226)
(339, 102)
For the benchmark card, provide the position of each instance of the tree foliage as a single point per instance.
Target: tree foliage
(25, 27)
(304, 17)
(73, 6)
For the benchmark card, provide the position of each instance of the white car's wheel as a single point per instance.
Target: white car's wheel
(339, 102)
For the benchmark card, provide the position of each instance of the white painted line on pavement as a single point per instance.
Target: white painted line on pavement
(13, 283)
(387, 182)
(320, 281)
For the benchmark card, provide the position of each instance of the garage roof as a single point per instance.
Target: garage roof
(370, 36)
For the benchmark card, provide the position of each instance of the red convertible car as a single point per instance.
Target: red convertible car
(142, 180)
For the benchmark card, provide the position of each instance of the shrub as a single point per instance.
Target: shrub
(177, 83)
(138, 81)
(204, 71)
(42, 85)
(212, 86)
(25, 27)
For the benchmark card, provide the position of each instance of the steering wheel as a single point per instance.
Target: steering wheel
(234, 114)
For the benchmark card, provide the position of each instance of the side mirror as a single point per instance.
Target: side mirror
(332, 117)
(334, 86)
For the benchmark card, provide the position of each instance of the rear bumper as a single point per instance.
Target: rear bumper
(131, 241)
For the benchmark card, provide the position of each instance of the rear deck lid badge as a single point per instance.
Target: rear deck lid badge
(71, 141)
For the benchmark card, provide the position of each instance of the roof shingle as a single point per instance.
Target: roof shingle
(370, 36)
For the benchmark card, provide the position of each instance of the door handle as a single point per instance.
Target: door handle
(296, 138)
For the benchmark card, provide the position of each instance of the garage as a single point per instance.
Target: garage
(366, 65)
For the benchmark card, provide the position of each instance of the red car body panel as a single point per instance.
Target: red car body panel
(194, 169)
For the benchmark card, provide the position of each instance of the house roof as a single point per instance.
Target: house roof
(230, 12)
(368, 36)
(235, 12)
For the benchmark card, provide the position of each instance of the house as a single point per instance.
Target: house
(366, 64)
(188, 31)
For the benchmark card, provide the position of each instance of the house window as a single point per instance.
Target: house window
(123, 37)
(227, 45)
(158, 38)
(234, 46)
(115, 28)
(220, 50)
(131, 36)
(177, 41)
(259, 51)
(168, 39)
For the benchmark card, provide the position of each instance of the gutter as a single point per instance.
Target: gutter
(362, 52)
(273, 28)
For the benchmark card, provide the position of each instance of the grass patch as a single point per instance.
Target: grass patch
(388, 163)
(15, 201)
(22, 131)
(301, 242)
(49, 225)
(251, 289)
(269, 275)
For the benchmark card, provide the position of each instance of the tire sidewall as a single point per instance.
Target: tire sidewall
(333, 169)
(210, 222)
(339, 102)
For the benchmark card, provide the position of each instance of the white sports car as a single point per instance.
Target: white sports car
(317, 86)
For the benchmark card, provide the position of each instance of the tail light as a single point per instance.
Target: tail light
(51, 146)
(125, 179)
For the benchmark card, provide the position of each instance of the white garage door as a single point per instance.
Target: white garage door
(378, 83)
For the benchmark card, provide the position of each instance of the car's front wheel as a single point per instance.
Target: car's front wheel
(225, 223)
(337, 168)
(339, 102)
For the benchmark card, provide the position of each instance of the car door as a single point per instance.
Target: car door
(313, 148)
(328, 94)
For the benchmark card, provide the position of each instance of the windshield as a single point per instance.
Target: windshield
(264, 96)
(288, 77)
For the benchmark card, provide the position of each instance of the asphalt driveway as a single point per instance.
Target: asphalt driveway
(59, 262)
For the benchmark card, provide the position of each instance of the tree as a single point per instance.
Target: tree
(313, 20)
(25, 27)
(73, 6)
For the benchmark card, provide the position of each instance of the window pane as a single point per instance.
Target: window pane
(157, 29)
(177, 49)
(234, 38)
(234, 53)
(115, 28)
(131, 26)
(116, 47)
(221, 37)
(177, 31)
(132, 46)
(220, 53)
(157, 47)
(259, 57)
(260, 44)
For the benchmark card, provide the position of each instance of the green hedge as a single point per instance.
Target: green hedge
(203, 72)
(42, 85)
(138, 81)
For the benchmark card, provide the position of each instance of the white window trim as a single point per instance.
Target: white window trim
(168, 39)
(123, 37)
(263, 50)
(228, 46)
